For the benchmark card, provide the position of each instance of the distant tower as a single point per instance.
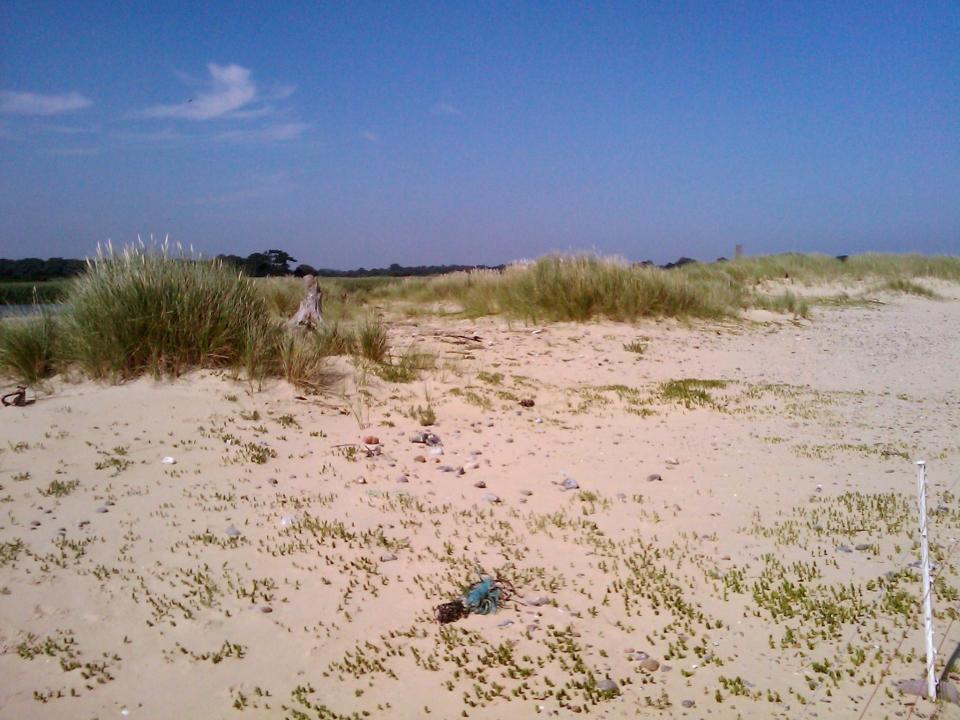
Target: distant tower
(738, 251)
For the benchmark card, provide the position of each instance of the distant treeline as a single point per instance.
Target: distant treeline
(34, 269)
(272, 263)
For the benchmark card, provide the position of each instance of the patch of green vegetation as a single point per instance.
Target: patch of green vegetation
(494, 378)
(636, 346)
(58, 488)
(690, 392)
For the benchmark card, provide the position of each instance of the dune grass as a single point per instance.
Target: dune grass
(582, 287)
(140, 312)
(28, 347)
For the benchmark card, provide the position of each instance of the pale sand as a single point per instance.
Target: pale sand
(143, 595)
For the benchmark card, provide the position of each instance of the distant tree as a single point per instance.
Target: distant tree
(304, 270)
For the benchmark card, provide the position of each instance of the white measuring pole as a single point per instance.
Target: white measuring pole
(927, 591)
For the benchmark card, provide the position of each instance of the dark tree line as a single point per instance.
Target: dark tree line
(270, 263)
(35, 269)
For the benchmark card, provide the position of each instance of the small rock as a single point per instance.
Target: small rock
(420, 459)
(168, 461)
(527, 493)
(360, 480)
(641, 655)
(402, 479)
(265, 609)
(570, 484)
(287, 521)
(273, 481)
(650, 665)
(844, 549)
(654, 477)
(688, 703)
(436, 450)
(608, 686)
(461, 471)
(480, 484)
(233, 532)
(863, 546)
(672, 461)
(490, 498)
(35, 524)
(446, 468)
(101, 509)
(371, 440)
(504, 623)
(537, 600)
(527, 402)
(388, 557)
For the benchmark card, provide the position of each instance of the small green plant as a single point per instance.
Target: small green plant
(690, 392)
(58, 488)
(636, 346)
(372, 342)
(424, 415)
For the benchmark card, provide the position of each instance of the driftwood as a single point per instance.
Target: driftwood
(308, 314)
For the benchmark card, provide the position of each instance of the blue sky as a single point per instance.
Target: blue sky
(361, 134)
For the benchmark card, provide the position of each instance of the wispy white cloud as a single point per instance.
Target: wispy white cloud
(231, 89)
(72, 152)
(278, 132)
(369, 136)
(27, 103)
(71, 129)
(445, 108)
(262, 186)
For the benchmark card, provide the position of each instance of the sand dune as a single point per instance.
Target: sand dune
(739, 544)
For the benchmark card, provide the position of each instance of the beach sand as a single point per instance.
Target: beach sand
(733, 549)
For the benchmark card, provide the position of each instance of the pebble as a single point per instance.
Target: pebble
(527, 402)
(863, 546)
(654, 477)
(672, 461)
(371, 440)
(844, 549)
(360, 480)
(273, 481)
(233, 532)
(436, 450)
(650, 665)
(402, 479)
(168, 461)
(480, 484)
(35, 524)
(446, 468)
(265, 609)
(388, 557)
(490, 498)
(688, 703)
(528, 493)
(570, 484)
(608, 686)
(537, 600)
(101, 509)
(287, 521)
(504, 623)
(420, 459)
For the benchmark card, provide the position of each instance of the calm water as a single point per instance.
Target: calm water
(14, 310)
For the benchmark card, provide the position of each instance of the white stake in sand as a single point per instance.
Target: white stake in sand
(925, 565)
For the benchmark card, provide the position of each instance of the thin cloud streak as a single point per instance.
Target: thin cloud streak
(280, 132)
(231, 90)
(27, 103)
(445, 108)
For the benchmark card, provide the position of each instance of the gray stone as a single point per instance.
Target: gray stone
(490, 498)
(388, 557)
(654, 477)
(101, 509)
(537, 600)
(504, 624)
(233, 532)
(863, 546)
(570, 484)
(480, 484)
(688, 703)
(608, 686)
(402, 479)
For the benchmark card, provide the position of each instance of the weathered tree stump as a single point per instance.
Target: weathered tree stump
(308, 314)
